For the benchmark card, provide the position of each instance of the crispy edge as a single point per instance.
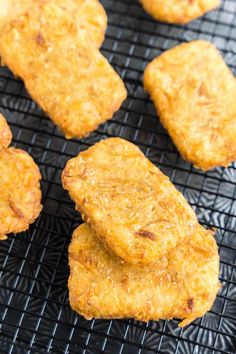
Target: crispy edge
(5, 133)
(99, 26)
(24, 220)
(182, 16)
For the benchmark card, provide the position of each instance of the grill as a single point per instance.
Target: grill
(35, 316)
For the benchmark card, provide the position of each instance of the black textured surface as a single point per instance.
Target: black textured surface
(34, 313)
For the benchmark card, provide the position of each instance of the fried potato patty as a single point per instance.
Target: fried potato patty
(19, 187)
(64, 73)
(134, 209)
(194, 93)
(88, 12)
(178, 11)
(184, 284)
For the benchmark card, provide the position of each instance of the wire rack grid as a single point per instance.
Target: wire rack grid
(35, 316)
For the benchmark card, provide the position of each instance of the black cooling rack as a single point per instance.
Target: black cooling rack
(34, 310)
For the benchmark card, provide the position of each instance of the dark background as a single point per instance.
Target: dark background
(34, 313)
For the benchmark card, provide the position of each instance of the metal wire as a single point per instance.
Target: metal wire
(34, 313)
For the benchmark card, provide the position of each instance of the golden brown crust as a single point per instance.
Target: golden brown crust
(194, 94)
(178, 11)
(69, 78)
(11, 9)
(90, 12)
(5, 133)
(19, 190)
(182, 285)
(134, 209)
